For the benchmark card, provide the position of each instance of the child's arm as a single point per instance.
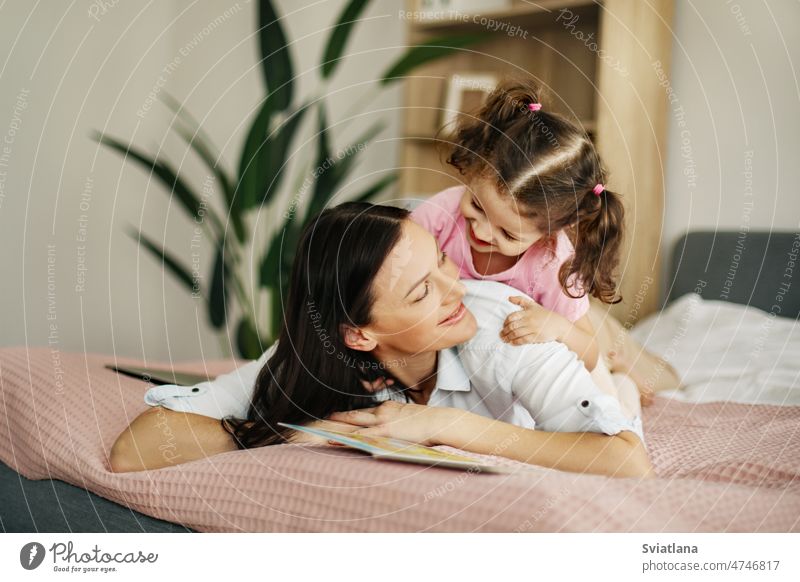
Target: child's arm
(581, 340)
(535, 324)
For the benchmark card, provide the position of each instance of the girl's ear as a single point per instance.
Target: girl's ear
(355, 338)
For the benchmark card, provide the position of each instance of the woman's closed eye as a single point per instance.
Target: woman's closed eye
(442, 260)
(424, 295)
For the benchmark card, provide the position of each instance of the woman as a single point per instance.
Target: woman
(370, 297)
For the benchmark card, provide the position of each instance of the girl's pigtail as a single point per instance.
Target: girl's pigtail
(504, 114)
(598, 229)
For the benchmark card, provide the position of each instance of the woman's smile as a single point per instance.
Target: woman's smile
(455, 316)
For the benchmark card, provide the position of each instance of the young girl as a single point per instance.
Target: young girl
(532, 180)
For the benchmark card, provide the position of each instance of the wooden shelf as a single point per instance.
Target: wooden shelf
(533, 13)
(589, 126)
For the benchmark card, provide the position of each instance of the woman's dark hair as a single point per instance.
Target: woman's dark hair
(312, 372)
(550, 166)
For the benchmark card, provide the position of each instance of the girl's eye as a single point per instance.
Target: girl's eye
(424, 295)
(475, 205)
(508, 236)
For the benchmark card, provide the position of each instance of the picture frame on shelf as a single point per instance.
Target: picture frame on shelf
(465, 93)
(431, 10)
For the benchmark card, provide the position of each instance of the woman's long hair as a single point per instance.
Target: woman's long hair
(312, 372)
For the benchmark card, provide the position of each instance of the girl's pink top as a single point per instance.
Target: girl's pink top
(535, 273)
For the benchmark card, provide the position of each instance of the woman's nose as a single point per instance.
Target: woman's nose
(454, 290)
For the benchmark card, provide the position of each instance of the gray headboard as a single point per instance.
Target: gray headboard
(755, 268)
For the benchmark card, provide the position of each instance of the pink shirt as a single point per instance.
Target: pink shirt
(535, 273)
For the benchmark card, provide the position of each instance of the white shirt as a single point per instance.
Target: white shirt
(541, 385)
(544, 381)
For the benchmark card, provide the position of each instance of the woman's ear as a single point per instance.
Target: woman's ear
(355, 338)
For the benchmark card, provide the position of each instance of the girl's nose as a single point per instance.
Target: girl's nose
(482, 231)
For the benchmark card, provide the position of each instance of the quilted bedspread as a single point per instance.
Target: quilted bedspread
(721, 466)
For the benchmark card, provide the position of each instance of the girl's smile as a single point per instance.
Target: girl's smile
(480, 243)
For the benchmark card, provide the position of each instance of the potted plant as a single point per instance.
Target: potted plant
(260, 175)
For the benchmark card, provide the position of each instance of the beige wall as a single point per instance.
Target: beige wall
(68, 71)
(733, 164)
(65, 72)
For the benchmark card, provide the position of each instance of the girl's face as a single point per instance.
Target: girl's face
(494, 223)
(418, 297)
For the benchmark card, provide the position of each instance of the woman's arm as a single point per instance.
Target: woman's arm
(620, 455)
(160, 437)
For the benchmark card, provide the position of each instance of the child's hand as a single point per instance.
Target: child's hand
(532, 324)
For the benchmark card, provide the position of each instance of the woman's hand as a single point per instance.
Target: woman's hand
(532, 324)
(622, 455)
(424, 425)
(300, 437)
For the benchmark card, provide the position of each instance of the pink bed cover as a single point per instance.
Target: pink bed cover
(721, 467)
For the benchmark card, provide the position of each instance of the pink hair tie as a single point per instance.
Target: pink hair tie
(598, 189)
(534, 106)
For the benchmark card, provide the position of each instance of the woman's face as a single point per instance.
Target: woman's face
(418, 297)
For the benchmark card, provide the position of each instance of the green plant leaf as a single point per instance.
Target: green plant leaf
(276, 310)
(427, 52)
(197, 139)
(277, 262)
(332, 171)
(324, 183)
(340, 34)
(345, 164)
(248, 163)
(276, 62)
(247, 340)
(172, 264)
(376, 188)
(276, 266)
(271, 263)
(187, 198)
(217, 297)
(263, 161)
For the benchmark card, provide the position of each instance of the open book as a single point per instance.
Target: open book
(400, 450)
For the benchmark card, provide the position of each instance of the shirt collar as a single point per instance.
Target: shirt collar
(450, 376)
(450, 373)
